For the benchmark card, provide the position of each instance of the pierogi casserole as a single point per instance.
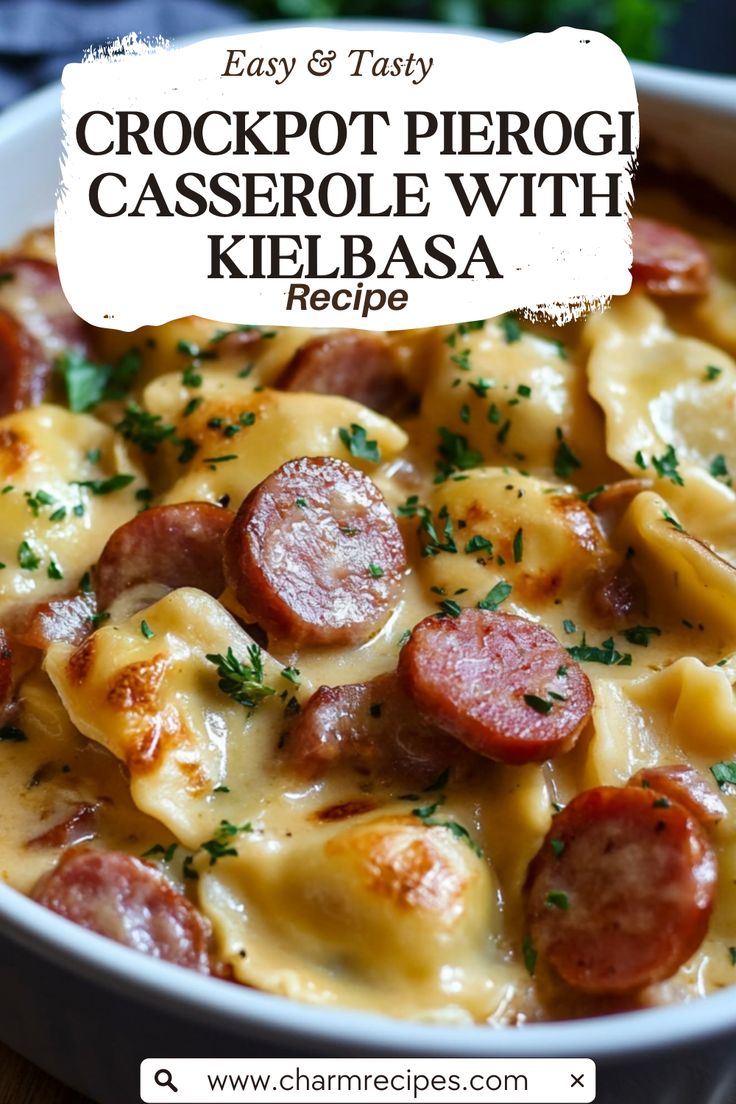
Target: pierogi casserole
(381, 671)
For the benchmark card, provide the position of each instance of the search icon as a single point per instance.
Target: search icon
(163, 1079)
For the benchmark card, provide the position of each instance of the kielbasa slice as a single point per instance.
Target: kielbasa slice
(314, 553)
(127, 900)
(177, 545)
(502, 685)
(686, 785)
(6, 669)
(620, 893)
(75, 824)
(667, 260)
(357, 365)
(24, 371)
(61, 619)
(373, 729)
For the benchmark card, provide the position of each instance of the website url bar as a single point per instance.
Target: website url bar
(367, 1081)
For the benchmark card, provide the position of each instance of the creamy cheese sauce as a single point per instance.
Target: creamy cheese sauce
(378, 909)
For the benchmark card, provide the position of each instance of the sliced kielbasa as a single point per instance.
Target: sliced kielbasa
(373, 729)
(177, 545)
(686, 785)
(620, 893)
(61, 619)
(357, 365)
(36, 324)
(314, 553)
(73, 826)
(24, 370)
(6, 669)
(127, 900)
(667, 260)
(502, 685)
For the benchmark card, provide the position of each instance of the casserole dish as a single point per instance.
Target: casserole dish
(88, 1011)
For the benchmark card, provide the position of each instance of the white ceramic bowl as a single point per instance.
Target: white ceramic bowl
(88, 1010)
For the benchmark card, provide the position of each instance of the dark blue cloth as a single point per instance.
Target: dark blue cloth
(38, 37)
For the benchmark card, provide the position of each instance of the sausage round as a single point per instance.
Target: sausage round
(314, 553)
(60, 619)
(24, 371)
(620, 893)
(502, 685)
(357, 365)
(127, 900)
(686, 785)
(373, 729)
(6, 669)
(668, 261)
(177, 545)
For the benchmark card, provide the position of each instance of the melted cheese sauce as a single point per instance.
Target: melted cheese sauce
(334, 891)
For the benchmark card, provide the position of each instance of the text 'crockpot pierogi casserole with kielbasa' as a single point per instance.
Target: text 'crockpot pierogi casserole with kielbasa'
(384, 671)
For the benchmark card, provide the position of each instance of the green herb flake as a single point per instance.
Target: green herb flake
(518, 546)
(146, 630)
(54, 570)
(672, 521)
(104, 486)
(242, 682)
(718, 467)
(558, 846)
(495, 596)
(639, 460)
(565, 461)
(27, 558)
(666, 466)
(605, 654)
(712, 373)
(376, 571)
(529, 955)
(640, 634)
(356, 442)
(724, 774)
(450, 608)
(478, 543)
(539, 705)
(558, 900)
(510, 328)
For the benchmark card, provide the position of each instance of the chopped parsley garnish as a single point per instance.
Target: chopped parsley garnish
(666, 466)
(27, 558)
(87, 383)
(221, 789)
(606, 654)
(85, 583)
(450, 608)
(465, 413)
(565, 461)
(242, 682)
(220, 459)
(189, 448)
(356, 442)
(524, 390)
(510, 328)
(190, 377)
(478, 543)
(146, 630)
(462, 360)
(558, 846)
(588, 496)
(718, 467)
(37, 500)
(105, 486)
(6, 277)
(10, 734)
(404, 638)
(166, 854)
(376, 570)
(220, 846)
(639, 460)
(569, 626)
(481, 386)
(98, 619)
(640, 634)
(454, 454)
(557, 899)
(461, 330)
(673, 521)
(191, 406)
(54, 571)
(518, 545)
(711, 372)
(539, 705)
(145, 430)
(301, 503)
(529, 954)
(732, 955)
(661, 803)
(495, 596)
(432, 545)
(724, 774)
(291, 674)
(503, 432)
